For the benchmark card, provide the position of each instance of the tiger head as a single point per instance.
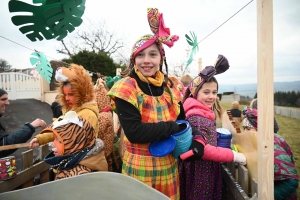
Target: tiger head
(72, 134)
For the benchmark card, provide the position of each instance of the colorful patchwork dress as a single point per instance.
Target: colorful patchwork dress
(161, 173)
(285, 174)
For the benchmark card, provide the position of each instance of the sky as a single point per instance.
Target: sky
(236, 39)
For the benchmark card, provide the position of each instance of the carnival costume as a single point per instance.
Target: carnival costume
(147, 108)
(201, 179)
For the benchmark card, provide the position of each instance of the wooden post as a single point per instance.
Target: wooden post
(199, 64)
(265, 99)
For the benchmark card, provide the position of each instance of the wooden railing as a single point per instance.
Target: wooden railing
(30, 171)
(236, 177)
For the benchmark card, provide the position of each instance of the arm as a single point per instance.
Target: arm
(45, 138)
(217, 154)
(138, 132)
(181, 115)
(20, 136)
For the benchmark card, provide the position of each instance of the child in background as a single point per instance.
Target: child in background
(56, 109)
(185, 80)
(106, 127)
(75, 150)
(202, 179)
(236, 113)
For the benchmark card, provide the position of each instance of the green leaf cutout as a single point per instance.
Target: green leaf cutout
(51, 19)
(43, 66)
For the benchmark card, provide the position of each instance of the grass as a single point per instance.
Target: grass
(289, 129)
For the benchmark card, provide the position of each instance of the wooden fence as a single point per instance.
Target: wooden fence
(30, 171)
(236, 177)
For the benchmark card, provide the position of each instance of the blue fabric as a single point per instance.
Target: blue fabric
(20, 136)
(283, 189)
(65, 162)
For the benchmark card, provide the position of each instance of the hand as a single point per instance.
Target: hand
(34, 143)
(39, 123)
(239, 158)
(198, 151)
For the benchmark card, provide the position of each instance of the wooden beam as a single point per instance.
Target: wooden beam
(199, 64)
(13, 146)
(265, 76)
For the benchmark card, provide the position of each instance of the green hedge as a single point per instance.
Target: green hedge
(228, 93)
(220, 96)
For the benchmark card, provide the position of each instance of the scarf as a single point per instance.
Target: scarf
(250, 117)
(157, 80)
(66, 162)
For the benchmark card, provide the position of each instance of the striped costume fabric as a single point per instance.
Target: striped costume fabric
(160, 173)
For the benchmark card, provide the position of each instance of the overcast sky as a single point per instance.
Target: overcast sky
(236, 39)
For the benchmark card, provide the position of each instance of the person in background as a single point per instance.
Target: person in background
(21, 135)
(236, 113)
(286, 178)
(56, 109)
(253, 105)
(148, 106)
(185, 80)
(178, 84)
(106, 127)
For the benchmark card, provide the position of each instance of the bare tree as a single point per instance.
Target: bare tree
(178, 68)
(4, 65)
(97, 38)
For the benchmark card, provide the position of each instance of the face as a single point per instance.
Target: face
(207, 95)
(69, 96)
(57, 147)
(148, 60)
(3, 103)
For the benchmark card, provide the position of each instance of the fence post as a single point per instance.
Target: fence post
(27, 163)
(12, 77)
(44, 176)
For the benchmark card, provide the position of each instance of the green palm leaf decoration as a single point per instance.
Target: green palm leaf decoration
(192, 41)
(43, 66)
(50, 19)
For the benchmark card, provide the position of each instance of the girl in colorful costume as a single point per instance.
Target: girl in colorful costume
(200, 177)
(147, 107)
(285, 175)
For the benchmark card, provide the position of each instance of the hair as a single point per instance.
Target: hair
(253, 104)
(129, 69)
(217, 108)
(186, 79)
(82, 88)
(235, 105)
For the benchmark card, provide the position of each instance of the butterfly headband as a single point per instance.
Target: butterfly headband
(161, 35)
(220, 66)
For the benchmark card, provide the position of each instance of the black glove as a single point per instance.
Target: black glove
(182, 127)
(198, 150)
(195, 131)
